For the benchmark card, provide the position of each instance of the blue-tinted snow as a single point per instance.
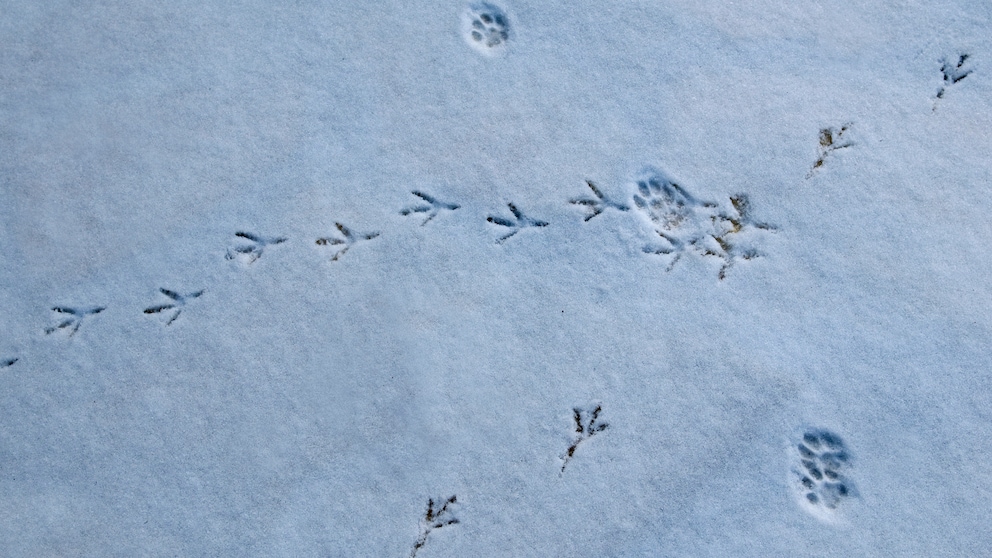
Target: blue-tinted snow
(309, 407)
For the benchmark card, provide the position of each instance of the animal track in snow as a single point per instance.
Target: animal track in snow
(831, 139)
(597, 205)
(8, 362)
(72, 318)
(734, 224)
(349, 240)
(820, 472)
(686, 224)
(952, 73)
(174, 308)
(251, 252)
(486, 28)
(586, 425)
(520, 221)
(433, 207)
(434, 519)
(670, 207)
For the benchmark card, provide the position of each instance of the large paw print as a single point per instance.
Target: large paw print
(821, 479)
(683, 222)
(669, 206)
(486, 28)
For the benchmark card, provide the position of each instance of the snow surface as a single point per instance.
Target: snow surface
(307, 407)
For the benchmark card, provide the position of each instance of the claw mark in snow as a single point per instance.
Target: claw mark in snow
(432, 209)
(73, 318)
(598, 204)
(831, 139)
(251, 252)
(732, 225)
(176, 306)
(349, 240)
(952, 73)
(434, 519)
(520, 221)
(586, 426)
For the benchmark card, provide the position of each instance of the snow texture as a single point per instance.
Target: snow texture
(303, 279)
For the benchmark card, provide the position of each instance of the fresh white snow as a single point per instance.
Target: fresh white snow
(407, 263)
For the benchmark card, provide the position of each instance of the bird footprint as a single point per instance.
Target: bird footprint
(349, 240)
(251, 252)
(597, 205)
(519, 222)
(433, 207)
(174, 308)
(72, 318)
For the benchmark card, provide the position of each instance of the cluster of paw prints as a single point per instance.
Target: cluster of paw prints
(823, 461)
(486, 28)
(821, 480)
(679, 223)
(682, 224)
(685, 224)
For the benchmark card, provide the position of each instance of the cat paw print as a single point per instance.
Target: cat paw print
(486, 28)
(678, 218)
(821, 472)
